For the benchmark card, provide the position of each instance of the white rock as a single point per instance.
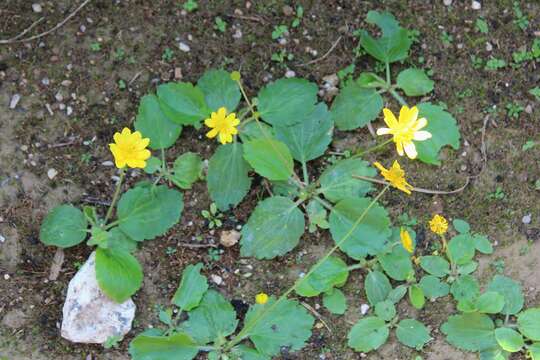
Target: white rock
(526, 219)
(364, 308)
(218, 280)
(89, 316)
(6, 276)
(37, 8)
(229, 238)
(447, 2)
(107, 163)
(184, 47)
(51, 173)
(14, 101)
(476, 5)
(489, 47)
(290, 74)
(2, 238)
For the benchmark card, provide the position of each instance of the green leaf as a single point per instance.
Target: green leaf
(187, 169)
(355, 106)
(395, 295)
(178, 346)
(244, 352)
(414, 82)
(465, 288)
(118, 241)
(269, 158)
(435, 265)
(377, 287)
(213, 319)
(331, 273)
(416, 296)
(369, 236)
(335, 301)
(394, 43)
(118, 274)
(337, 182)
(471, 332)
(397, 264)
(147, 212)
(227, 178)
(219, 90)
(182, 103)
(495, 353)
(461, 249)
(64, 226)
(284, 325)
(368, 334)
(273, 229)
(287, 101)
(461, 226)
(385, 310)
(482, 244)
(433, 287)
(192, 288)
(533, 350)
(412, 333)
(310, 138)
(153, 124)
(153, 164)
(256, 130)
(370, 80)
(510, 340)
(535, 92)
(529, 323)
(511, 290)
(490, 302)
(444, 131)
(467, 268)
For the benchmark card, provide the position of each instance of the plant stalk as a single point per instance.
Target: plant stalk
(115, 196)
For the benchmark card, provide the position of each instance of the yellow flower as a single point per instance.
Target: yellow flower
(261, 298)
(405, 130)
(130, 149)
(223, 125)
(396, 176)
(406, 240)
(438, 225)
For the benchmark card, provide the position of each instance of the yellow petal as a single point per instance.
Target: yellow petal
(379, 166)
(422, 135)
(410, 150)
(222, 112)
(422, 122)
(210, 122)
(212, 133)
(126, 131)
(383, 131)
(390, 118)
(404, 114)
(399, 148)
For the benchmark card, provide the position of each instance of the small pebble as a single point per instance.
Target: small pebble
(529, 109)
(184, 47)
(364, 308)
(290, 74)
(6, 276)
(2, 239)
(447, 2)
(177, 73)
(218, 280)
(288, 10)
(45, 81)
(526, 219)
(51, 173)
(69, 110)
(14, 101)
(59, 97)
(489, 47)
(476, 5)
(37, 8)
(237, 34)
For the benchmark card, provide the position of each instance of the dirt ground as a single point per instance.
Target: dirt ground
(81, 83)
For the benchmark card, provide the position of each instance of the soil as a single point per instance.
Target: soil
(103, 87)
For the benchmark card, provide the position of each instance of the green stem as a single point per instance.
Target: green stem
(249, 325)
(388, 82)
(398, 97)
(324, 203)
(115, 196)
(305, 172)
(373, 148)
(356, 266)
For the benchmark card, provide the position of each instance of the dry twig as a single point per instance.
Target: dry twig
(325, 55)
(59, 25)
